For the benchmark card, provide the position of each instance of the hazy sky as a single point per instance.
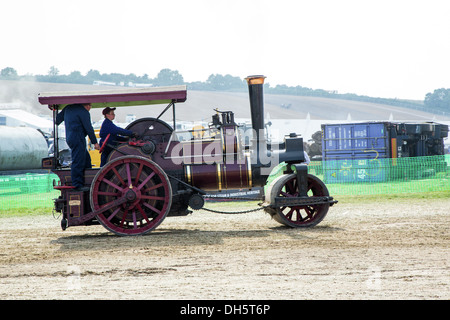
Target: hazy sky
(380, 48)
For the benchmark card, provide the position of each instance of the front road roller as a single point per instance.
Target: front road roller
(291, 206)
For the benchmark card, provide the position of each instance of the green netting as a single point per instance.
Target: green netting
(30, 190)
(380, 176)
(342, 177)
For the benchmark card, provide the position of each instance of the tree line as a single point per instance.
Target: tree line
(439, 101)
(435, 102)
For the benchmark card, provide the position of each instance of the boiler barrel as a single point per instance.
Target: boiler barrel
(220, 176)
(21, 148)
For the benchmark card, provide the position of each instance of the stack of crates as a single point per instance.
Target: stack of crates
(354, 152)
(367, 151)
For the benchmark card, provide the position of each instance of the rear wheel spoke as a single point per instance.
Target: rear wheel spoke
(127, 166)
(138, 175)
(134, 219)
(145, 181)
(152, 197)
(112, 184)
(113, 214)
(154, 187)
(112, 194)
(151, 208)
(117, 175)
(141, 211)
(123, 218)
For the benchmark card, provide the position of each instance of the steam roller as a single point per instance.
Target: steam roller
(163, 172)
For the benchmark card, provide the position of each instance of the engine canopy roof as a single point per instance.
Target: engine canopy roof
(116, 97)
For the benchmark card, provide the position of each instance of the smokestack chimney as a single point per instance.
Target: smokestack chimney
(255, 90)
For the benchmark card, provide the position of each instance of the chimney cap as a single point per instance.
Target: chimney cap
(256, 79)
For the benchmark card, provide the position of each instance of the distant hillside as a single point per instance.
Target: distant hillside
(200, 105)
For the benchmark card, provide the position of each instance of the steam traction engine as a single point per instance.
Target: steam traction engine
(161, 173)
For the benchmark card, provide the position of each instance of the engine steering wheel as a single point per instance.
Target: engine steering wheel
(104, 143)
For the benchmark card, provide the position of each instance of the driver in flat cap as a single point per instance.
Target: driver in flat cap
(117, 134)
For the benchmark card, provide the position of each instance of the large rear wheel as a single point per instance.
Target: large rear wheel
(144, 186)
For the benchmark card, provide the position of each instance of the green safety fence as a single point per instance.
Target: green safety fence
(29, 190)
(380, 176)
(342, 177)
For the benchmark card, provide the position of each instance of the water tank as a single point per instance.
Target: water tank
(21, 148)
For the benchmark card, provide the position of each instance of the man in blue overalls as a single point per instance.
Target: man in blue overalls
(116, 134)
(78, 125)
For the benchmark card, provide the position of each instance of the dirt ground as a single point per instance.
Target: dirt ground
(385, 250)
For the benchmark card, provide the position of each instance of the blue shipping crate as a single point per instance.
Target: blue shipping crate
(354, 152)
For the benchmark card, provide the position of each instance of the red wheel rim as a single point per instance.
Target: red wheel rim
(302, 216)
(145, 187)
